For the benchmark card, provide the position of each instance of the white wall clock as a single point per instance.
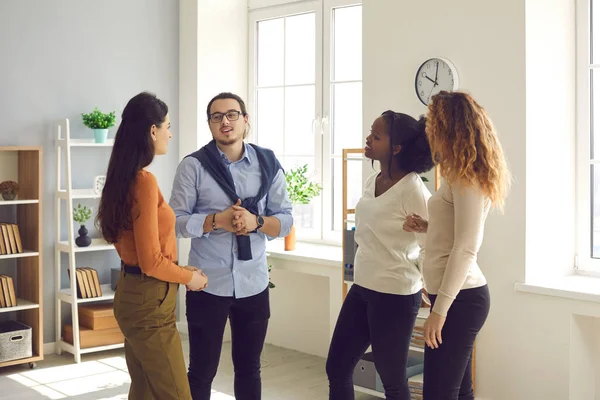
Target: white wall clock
(99, 184)
(433, 76)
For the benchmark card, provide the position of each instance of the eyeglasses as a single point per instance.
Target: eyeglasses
(232, 115)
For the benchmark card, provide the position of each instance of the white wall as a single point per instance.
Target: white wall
(517, 58)
(63, 58)
(213, 59)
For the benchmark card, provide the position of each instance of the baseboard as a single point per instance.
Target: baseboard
(49, 348)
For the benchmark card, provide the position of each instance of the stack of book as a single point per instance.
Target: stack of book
(10, 239)
(418, 340)
(88, 283)
(8, 297)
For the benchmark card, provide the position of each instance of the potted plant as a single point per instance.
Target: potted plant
(301, 190)
(9, 190)
(80, 215)
(99, 122)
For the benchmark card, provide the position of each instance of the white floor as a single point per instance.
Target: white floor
(286, 375)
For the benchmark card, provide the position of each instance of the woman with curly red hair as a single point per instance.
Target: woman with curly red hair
(468, 153)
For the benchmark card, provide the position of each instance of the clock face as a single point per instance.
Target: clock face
(433, 76)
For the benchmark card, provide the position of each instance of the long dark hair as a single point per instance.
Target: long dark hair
(132, 151)
(404, 130)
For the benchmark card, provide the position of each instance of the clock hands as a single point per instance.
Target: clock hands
(437, 66)
(434, 82)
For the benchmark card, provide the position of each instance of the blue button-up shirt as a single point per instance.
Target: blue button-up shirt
(196, 195)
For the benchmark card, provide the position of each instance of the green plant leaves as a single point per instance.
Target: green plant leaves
(98, 120)
(81, 214)
(300, 189)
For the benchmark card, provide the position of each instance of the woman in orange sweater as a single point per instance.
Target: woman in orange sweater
(135, 217)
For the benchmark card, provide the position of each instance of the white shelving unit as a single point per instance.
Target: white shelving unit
(64, 146)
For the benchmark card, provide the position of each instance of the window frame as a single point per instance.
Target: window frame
(322, 131)
(584, 263)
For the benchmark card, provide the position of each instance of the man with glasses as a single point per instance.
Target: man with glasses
(229, 197)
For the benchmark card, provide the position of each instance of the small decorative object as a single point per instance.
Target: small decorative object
(301, 191)
(99, 182)
(9, 190)
(433, 76)
(80, 215)
(271, 284)
(100, 123)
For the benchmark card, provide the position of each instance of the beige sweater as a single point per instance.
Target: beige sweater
(456, 222)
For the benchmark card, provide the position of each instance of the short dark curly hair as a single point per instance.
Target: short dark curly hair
(404, 130)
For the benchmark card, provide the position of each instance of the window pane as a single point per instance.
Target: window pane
(300, 49)
(595, 36)
(269, 118)
(595, 114)
(304, 214)
(354, 188)
(595, 175)
(347, 116)
(299, 117)
(270, 52)
(347, 42)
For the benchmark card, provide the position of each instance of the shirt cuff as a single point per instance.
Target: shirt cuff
(195, 225)
(286, 221)
(443, 302)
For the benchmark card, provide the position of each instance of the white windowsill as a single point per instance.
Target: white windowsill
(574, 287)
(307, 252)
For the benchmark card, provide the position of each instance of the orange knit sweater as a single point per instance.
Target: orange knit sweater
(152, 243)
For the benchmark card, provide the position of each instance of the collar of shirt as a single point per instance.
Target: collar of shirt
(245, 156)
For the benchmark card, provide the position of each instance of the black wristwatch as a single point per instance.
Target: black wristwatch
(260, 221)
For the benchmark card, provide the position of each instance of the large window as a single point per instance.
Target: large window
(306, 98)
(588, 207)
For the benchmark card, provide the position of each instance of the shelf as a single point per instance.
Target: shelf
(21, 305)
(21, 361)
(16, 202)
(423, 313)
(417, 349)
(24, 254)
(71, 349)
(79, 194)
(107, 294)
(90, 143)
(97, 245)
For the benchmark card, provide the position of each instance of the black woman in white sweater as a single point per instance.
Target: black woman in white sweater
(382, 304)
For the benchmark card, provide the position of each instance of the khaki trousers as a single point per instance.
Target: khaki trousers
(145, 311)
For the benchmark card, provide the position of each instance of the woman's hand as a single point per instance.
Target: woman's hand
(433, 330)
(199, 279)
(415, 223)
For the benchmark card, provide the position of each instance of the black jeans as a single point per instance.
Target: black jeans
(384, 321)
(447, 374)
(207, 315)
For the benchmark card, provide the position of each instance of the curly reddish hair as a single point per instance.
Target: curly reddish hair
(465, 145)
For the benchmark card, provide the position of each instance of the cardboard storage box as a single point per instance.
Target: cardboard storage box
(97, 316)
(93, 338)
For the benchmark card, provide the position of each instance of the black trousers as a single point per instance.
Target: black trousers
(207, 316)
(447, 374)
(384, 321)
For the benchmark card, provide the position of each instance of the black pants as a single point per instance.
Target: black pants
(384, 321)
(447, 374)
(207, 315)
